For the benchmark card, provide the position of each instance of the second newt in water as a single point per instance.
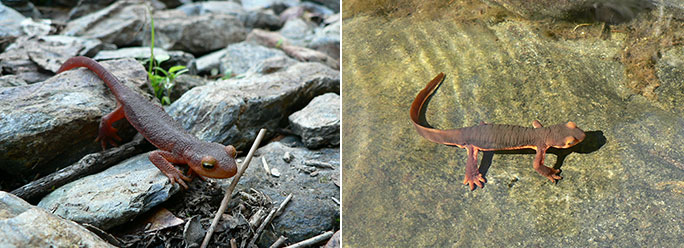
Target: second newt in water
(175, 145)
(495, 137)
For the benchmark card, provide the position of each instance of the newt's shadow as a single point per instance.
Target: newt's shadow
(593, 141)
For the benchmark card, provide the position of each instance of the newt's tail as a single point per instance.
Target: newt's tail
(447, 137)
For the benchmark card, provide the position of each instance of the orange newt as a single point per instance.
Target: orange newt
(175, 145)
(494, 137)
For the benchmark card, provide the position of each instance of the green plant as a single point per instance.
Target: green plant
(162, 81)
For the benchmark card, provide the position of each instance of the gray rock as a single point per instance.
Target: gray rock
(311, 210)
(261, 19)
(185, 82)
(212, 7)
(30, 58)
(112, 197)
(272, 65)
(86, 7)
(331, 4)
(169, 58)
(122, 23)
(209, 61)
(327, 40)
(11, 80)
(297, 31)
(232, 111)
(274, 39)
(240, 57)
(319, 122)
(53, 124)
(267, 4)
(10, 21)
(24, 225)
(195, 34)
(26, 8)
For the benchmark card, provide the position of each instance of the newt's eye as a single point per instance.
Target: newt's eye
(208, 162)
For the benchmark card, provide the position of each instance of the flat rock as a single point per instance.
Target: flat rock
(52, 124)
(174, 30)
(25, 225)
(120, 23)
(296, 30)
(11, 80)
(232, 111)
(112, 197)
(319, 122)
(240, 57)
(311, 210)
(327, 39)
(209, 62)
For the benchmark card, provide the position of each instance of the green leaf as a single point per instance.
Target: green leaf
(176, 68)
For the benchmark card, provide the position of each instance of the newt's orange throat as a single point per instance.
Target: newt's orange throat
(493, 137)
(175, 144)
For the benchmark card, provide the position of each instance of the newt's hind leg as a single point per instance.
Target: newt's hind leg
(472, 175)
(107, 133)
(550, 173)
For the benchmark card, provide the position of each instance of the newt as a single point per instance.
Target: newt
(206, 159)
(496, 137)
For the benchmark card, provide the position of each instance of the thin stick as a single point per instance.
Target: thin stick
(268, 219)
(312, 241)
(229, 191)
(278, 243)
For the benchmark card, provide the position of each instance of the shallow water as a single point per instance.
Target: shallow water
(623, 186)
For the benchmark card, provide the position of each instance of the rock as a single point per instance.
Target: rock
(232, 111)
(168, 58)
(319, 122)
(240, 57)
(274, 39)
(311, 210)
(209, 62)
(11, 22)
(24, 7)
(24, 225)
(610, 11)
(268, 4)
(112, 197)
(53, 124)
(185, 82)
(261, 19)
(86, 7)
(327, 40)
(212, 7)
(31, 58)
(296, 31)
(335, 241)
(122, 23)
(195, 34)
(11, 80)
(331, 4)
(507, 72)
(272, 65)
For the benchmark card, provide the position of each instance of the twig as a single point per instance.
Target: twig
(268, 219)
(89, 164)
(312, 241)
(229, 191)
(278, 243)
(336, 200)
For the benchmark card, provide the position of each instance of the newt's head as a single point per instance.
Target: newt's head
(212, 160)
(565, 135)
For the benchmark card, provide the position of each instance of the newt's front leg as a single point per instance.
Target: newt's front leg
(163, 160)
(472, 175)
(550, 173)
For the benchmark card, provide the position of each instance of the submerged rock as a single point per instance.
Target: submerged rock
(24, 225)
(319, 122)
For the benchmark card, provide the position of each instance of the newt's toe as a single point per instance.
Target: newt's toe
(474, 180)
